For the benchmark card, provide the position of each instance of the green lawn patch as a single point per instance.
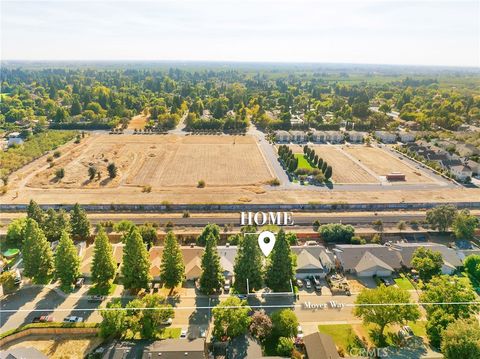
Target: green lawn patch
(418, 328)
(171, 333)
(302, 161)
(102, 291)
(342, 334)
(403, 283)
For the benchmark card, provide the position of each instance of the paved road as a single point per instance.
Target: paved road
(198, 220)
(191, 312)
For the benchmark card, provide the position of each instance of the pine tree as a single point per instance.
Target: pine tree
(209, 229)
(281, 265)
(37, 254)
(76, 108)
(211, 279)
(79, 222)
(67, 262)
(55, 223)
(103, 265)
(172, 269)
(35, 212)
(136, 263)
(248, 265)
(328, 172)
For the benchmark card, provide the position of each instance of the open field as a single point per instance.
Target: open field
(158, 161)
(383, 163)
(344, 169)
(60, 347)
(138, 122)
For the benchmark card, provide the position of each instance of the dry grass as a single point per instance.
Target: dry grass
(383, 163)
(138, 122)
(60, 348)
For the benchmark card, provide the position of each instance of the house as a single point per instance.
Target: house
(296, 120)
(298, 136)
(282, 136)
(319, 136)
(334, 136)
(356, 136)
(461, 172)
(407, 136)
(320, 346)
(451, 260)
(14, 139)
(386, 137)
(467, 150)
(313, 260)
(227, 259)
(22, 353)
(165, 349)
(368, 259)
(86, 263)
(474, 166)
(192, 259)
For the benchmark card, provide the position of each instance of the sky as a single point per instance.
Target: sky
(412, 32)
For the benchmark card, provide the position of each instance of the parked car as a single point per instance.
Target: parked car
(226, 286)
(203, 332)
(242, 296)
(183, 334)
(167, 322)
(299, 283)
(308, 284)
(300, 334)
(73, 319)
(96, 298)
(79, 282)
(43, 319)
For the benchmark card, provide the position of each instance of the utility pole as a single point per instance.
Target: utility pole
(248, 288)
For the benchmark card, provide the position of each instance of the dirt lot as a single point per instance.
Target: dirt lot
(159, 161)
(60, 348)
(138, 122)
(383, 163)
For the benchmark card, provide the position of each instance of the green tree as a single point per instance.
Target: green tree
(124, 226)
(248, 265)
(337, 233)
(280, 269)
(389, 311)
(35, 212)
(60, 173)
(461, 339)
(172, 269)
(284, 347)
(15, 232)
(285, 323)
(67, 262)
(112, 170)
(328, 172)
(230, 318)
(209, 229)
(76, 108)
(211, 280)
(136, 262)
(114, 320)
(442, 217)
(7, 280)
(149, 234)
(37, 254)
(103, 265)
(428, 263)
(261, 325)
(79, 222)
(464, 225)
(148, 321)
(436, 324)
(472, 265)
(55, 223)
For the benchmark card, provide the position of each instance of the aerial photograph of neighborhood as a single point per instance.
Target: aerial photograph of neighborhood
(240, 179)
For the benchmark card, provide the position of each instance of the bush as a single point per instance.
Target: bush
(147, 189)
(60, 173)
(274, 182)
(285, 323)
(112, 170)
(57, 154)
(186, 214)
(337, 233)
(284, 346)
(201, 184)
(357, 240)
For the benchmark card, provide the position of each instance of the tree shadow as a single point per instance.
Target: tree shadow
(17, 300)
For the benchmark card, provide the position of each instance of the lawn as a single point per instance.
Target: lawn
(418, 328)
(94, 290)
(342, 334)
(302, 161)
(173, 333)
(403, 283)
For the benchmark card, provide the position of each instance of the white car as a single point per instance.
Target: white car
(300, 334)
(183, 334)
(73, 319)
(167, 322)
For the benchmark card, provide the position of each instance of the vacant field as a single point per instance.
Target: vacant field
(60, 347)
(383, 163)
(159, 161)
(138, 122)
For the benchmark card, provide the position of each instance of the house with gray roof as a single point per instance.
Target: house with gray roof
(313, 260)
(320, 346)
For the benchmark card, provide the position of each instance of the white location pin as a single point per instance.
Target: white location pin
(266, 247)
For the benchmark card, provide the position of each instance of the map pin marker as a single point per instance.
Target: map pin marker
(266, 247)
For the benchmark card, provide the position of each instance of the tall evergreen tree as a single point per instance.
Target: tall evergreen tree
(211, 279)
(172, 270)
(37, 254)
(67, 262)
(55, 223)
(281, 265)
(136, 263)
(248, 265)
(35, 212)
(103, 264)
(79, 222)
(210, 228)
